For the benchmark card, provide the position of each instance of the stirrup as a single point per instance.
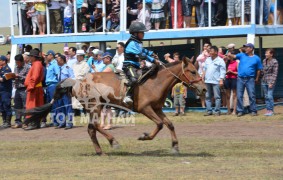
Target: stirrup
(127, 100)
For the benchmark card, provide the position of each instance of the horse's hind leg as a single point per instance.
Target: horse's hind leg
(170, 126)
(107, 135)
(149, 112)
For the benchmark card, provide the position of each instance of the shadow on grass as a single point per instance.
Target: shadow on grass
(155, 153)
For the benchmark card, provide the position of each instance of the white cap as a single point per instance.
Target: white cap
(85, 5)
(231, 45)
(80, 52)
(95, 51)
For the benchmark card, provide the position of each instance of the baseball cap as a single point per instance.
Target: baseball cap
(3, 58)
(107, 54)
(85, 5)
(80, 52)
(249, 45)
(50, 52)
(231, 45)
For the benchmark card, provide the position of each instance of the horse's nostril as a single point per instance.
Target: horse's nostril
(204, 90)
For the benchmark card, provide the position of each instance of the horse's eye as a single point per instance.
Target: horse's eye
(194, 72)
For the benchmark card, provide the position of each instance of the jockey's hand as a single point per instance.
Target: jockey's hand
(155, 56)
(157, 62)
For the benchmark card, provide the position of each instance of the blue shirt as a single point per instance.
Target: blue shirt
(52, 73)
(99, 65)
(6, 85)
(79, 3)
(65, 72)
(136, 48)
(71, 61)
(248, 65)
(214, 70)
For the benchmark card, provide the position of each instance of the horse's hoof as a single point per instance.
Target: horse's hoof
(145, 136)
(175, 151)
(116, 145)
(101, 154)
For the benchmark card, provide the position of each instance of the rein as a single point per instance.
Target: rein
(183, 74)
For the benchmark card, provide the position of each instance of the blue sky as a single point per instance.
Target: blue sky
(5, 14)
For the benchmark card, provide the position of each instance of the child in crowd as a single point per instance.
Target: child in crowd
(33, 15)
(40, 7)
(82, 19)
(68, 14)
(179, 93)
(112, 22)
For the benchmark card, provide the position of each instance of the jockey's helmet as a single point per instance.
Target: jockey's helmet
(136, 27)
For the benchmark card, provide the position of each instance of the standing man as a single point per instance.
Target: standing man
(5, 93)
(21, 71)
(248, 74)
(118, 59)
(214, 71)
(52, 70)
(72, 57)
(55, 17)
(33, 83)
(64, 104)
(80, 68)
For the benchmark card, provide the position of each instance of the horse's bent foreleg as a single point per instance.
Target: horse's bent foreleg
(170, 126)
(149, 112)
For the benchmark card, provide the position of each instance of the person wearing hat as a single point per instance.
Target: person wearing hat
(80, 68)
(112, 22)
(140, 15)
(249, 70)
(64, 103)
(51, 80)
(96, 19)
(109, 67)
(134, 52)
(5, 93)
(33, 83)
(107, 60)
(21, 71)
(96, 64)
(83, 22)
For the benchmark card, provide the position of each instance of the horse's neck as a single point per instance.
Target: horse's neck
(168, 79)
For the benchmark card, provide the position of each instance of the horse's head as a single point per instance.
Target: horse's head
(191, 77)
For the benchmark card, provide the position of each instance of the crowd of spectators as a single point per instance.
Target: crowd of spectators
(37, 74)
(158, 14)
(230, 76)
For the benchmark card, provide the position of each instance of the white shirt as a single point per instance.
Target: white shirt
(80, 70)
(140, 16)
(55, 5)
(71, 61)
(118, 60)
(68, 11)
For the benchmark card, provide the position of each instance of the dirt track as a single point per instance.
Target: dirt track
(234, 129)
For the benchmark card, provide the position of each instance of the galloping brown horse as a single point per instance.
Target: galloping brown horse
(149, 98)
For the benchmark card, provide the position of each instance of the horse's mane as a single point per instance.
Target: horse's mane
(169, 65)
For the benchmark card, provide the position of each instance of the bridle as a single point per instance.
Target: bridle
(190, 84)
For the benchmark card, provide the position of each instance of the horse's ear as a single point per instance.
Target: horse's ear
(185, 60)
(192, 59)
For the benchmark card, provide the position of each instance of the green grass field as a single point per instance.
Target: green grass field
(204, 156)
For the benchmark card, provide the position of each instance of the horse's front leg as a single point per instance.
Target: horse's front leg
(170, 126)
(149, 112)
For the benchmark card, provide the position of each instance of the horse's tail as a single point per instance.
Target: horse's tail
(37, 113)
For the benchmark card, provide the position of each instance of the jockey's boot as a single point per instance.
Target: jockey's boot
(128, 98)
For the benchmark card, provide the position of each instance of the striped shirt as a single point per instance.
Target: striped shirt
(270, 70)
